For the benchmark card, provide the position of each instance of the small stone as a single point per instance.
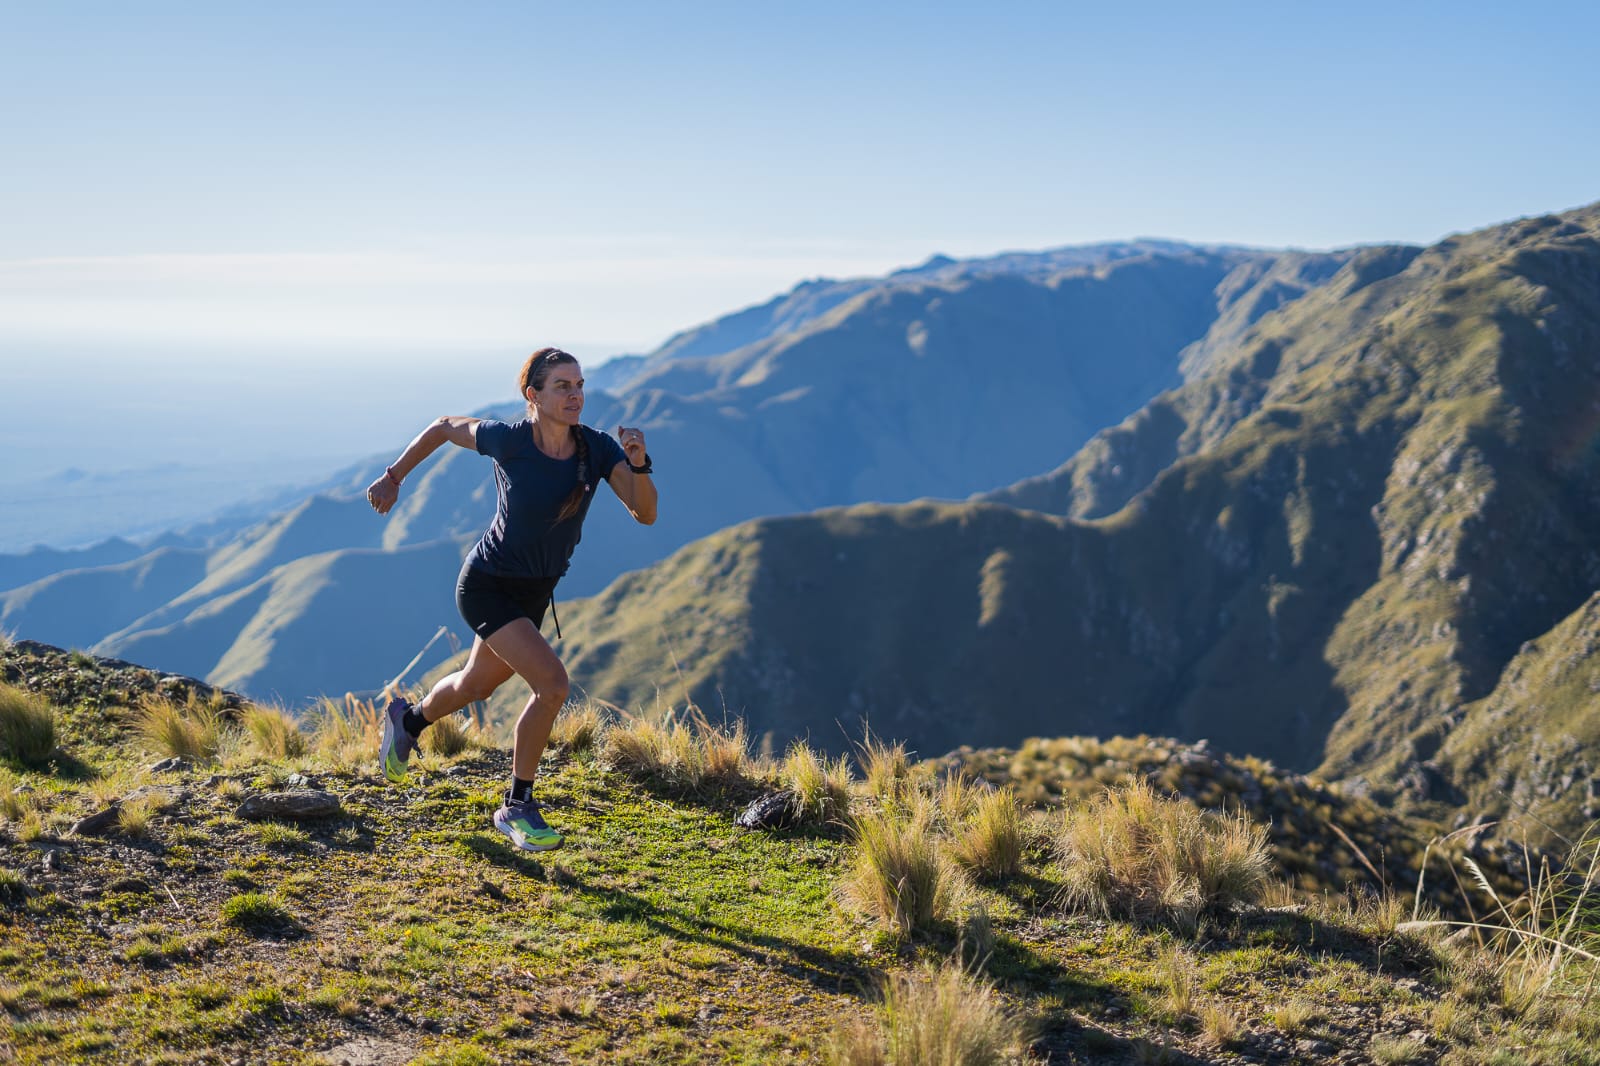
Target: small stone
(1317, 1048)
(300, 803)
(98, 824)
(298, 781)
(800, 1000)
(175, 765)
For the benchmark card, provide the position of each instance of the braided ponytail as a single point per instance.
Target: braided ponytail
(574, 500)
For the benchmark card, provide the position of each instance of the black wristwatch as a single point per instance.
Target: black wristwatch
(645, 469)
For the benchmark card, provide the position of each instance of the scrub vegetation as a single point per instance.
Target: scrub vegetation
(933, 916)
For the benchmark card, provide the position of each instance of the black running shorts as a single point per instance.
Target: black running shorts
(488, 602)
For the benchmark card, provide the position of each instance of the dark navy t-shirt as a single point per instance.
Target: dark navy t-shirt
(525, 540)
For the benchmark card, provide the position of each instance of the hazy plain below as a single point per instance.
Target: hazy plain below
(96, 444)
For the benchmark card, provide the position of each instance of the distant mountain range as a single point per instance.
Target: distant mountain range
(944, 380)
(1335, 509)
(1362, 537)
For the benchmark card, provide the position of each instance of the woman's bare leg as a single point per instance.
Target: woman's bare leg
(483, 673)
(521, 646)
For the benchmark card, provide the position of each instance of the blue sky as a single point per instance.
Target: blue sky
(437, 188)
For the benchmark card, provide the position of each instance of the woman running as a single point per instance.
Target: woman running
(546, 468)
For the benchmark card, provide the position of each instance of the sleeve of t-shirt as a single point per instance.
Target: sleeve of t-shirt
(608, 453)
(491, 437)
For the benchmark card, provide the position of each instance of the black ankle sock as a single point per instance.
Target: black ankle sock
(414, 723)
(521, 791)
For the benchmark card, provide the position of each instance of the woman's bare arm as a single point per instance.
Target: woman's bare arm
(460, 430)
(636, 491)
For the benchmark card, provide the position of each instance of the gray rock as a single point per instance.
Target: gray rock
(775, 810)
(178, 764)
(299, 803)
(99, 825)
(299, 781)
(371, 1051)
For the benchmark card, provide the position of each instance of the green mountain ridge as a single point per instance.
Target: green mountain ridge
(1379, 494)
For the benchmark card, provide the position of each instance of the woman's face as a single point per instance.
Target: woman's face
(562, 395)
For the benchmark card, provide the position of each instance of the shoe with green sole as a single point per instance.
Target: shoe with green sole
(526, 827)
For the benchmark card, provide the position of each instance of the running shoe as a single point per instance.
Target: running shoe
(526, 827)
(398, 745)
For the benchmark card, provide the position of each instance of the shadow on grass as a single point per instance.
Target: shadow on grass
(1066, 1038)
(350, 833)
(61, 764)
(1400, 952)
(834, 971)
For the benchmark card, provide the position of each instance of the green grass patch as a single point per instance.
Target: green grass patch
(255, 912)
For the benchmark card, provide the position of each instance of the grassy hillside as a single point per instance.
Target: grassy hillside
(1543, 710)
(401, 928)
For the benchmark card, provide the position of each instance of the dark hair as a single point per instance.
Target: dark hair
(534, 373)
(537, 368)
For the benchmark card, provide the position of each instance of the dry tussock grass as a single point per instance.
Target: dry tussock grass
(899, 875)
(687, 753)
(580, 727)
(1134, 854)
(27, 726)
(1220, 1028)
(134, 816)
(346, 733)
(1537, 955)
(821, 786)
(938, 1016)
(886, 768)
(989, 838)
(273, 733)
(192, 729)
(449, 736)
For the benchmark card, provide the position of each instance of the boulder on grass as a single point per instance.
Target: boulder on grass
(300, 803)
